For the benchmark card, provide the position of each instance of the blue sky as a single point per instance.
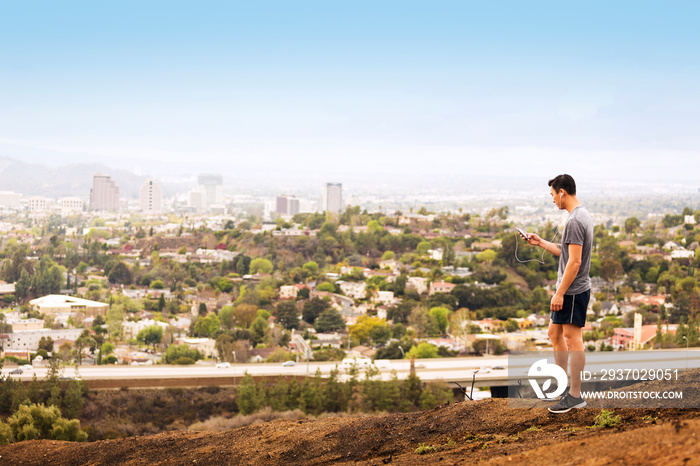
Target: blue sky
(600, 89)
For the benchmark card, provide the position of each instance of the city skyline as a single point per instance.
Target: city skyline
(605, 92)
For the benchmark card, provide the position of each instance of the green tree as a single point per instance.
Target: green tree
(329, 320)
(207, 326)
(248, 397)
(175, 352)
(260, 265)
(631, 224)
(326, 286)
(115, 319)
(84, 341)
(311, 268)
(23, 285)
(423, 351)
(258, 330)
(287, 315)
(313, 308)
(151, 335)
(441, 315)
(120, 274)
(161, 303)
(227, 317)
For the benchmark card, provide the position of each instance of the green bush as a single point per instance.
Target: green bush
(110, 359)
(36, 421)
(183, 361)
(606, 419)
(175, 352)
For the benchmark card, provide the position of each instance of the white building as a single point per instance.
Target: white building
(208, 194)
(39, 204)
(332, 198)
(131, 329)
(288, 292)
(59, 304)
(384, 297)
(206, 346)
(354, 290)
(151, 197)
(28, 340)
(9, 199)
(417, 284)
(70, 204)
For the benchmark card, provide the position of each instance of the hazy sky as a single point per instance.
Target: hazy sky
(597, 89)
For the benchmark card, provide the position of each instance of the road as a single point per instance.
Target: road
(493, 371)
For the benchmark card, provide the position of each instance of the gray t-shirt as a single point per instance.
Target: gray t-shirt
(578, 230)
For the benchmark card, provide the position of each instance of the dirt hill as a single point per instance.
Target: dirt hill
(487, 431)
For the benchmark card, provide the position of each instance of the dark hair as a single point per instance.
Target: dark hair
(565, 182)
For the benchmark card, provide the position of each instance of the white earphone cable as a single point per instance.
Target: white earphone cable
(541, 259)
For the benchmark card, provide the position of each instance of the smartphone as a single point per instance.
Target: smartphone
(522, 233)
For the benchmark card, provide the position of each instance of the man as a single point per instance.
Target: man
(573, 289)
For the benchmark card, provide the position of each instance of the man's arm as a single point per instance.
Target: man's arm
(535, 240)
(570, 272)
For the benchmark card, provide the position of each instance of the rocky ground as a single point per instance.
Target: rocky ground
(488, 431)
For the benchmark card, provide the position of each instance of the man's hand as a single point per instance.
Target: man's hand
(534, 240)
(557, 302)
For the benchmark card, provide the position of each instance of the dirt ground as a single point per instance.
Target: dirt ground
(487, 432)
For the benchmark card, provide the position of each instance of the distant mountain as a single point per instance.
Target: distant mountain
(68, 180)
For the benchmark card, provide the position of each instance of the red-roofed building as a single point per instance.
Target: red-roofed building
(441, 287)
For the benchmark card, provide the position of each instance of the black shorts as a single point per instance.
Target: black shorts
(574, 309)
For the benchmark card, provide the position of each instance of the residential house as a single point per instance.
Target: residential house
(384, 297)
(354, 290)
(131, 329)
(450, 343)
(59, 304)
(609, 308)
(259, 355)
(288, 292)
(206, 346)
(417, 284)
(441, 287)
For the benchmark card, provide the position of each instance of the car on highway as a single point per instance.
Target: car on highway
(16, 371)
(27, 367)
(70, 377)
(288, 364)
(223, 365)
(482, 370)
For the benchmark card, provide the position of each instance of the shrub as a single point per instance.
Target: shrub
(606, 419)
(183, 361)
(110, 359)
(425, 449)
(36, 421)
(175, 352)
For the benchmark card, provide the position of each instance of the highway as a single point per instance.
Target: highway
(493, 371)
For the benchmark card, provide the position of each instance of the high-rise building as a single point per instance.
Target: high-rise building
(332, 198)
(151, 197)
(213, 188)
(9, 199)
(104, 194)
(287, 205)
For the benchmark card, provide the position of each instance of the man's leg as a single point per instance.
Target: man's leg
(561, 354)
(573, 336)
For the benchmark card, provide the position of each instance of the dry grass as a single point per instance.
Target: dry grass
(221, 423)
